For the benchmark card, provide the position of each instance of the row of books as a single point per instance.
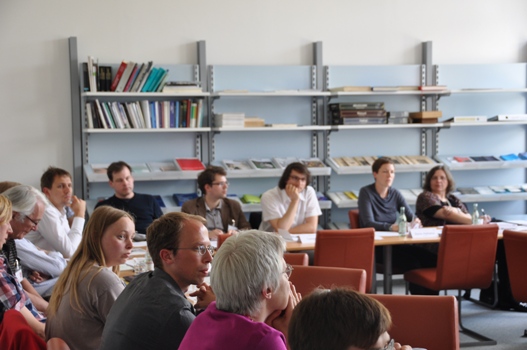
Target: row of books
(145, 114)
(352, 88)
(353, 113)
(504, 157)
(270, 163)
(369, 160)
(178, 164)
(478, 190)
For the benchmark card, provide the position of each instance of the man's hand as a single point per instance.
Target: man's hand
(78, 206)
(205, 296)
(38, 277)
(292, 192)
(213, 235)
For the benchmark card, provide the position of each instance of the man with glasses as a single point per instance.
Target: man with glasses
(25, 260)
(293, 204)
(223, 215)
(143, 207)
(152, 312)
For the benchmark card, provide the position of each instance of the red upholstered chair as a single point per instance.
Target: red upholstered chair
(354, 218)
(15, 333)
(466, 259)
(308, 278)
(222, 238)
(423, 321)
(352, 248)
(296, 259)
(516, 253)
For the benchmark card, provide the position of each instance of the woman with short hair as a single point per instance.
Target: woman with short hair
(254, 298)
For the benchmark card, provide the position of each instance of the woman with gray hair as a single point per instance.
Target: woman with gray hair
(254, 298)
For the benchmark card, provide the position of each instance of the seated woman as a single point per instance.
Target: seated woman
(254, 298)
(436, 205)
(340, 319)
(379, 205)
(12, 295)
(89, 285)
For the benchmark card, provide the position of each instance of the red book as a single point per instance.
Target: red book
(190, 164)
(118, 75)
(132, 78)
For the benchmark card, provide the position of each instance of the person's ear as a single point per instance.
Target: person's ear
(166, 255)
(46, 190)
(267, 293)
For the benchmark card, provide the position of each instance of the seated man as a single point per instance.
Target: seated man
(293, 204)
(152, 312)
(143, 207)
(54, 232)
(223, 215)
(340, 319)
(28, 208)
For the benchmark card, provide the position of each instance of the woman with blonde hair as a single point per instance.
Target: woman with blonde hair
(89, 285)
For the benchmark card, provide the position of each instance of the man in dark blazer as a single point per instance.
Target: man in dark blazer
(223, 215)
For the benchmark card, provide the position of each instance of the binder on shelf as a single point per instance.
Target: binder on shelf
(186, 164)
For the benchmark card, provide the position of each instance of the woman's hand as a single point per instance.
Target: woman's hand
(205, 296)
(279, 319)
(398, 346)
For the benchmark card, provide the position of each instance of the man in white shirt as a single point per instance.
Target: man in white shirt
(54, 232)
(292, 205)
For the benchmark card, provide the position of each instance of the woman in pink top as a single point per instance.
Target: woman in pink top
(254, 298)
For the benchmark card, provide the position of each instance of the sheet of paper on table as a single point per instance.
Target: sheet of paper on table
(425, 232)
(380, 234)
(301, 238)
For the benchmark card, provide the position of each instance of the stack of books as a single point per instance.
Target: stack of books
(184, 87)
(231, 120)
(426, 117)
(253, 122)
(354, 113)
(398, 117)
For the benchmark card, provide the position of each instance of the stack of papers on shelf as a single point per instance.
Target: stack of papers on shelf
(99, 168)
(237, 164)
(234, 120)
(483, 190)
(468, 119)
(263, 163)
(301, 238)
(312, 162)
(253, 122)
(284, 162)
(139, 168)
(509, 157)
(162, 166)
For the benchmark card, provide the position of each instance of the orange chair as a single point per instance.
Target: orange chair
(352, 248)
(222, 238)
(296, 259)
(466, 259)
(308, 278)
(515, 249)
(15, 333)
(354, 218)
(429, 322)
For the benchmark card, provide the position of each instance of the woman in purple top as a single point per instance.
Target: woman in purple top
(254, 298)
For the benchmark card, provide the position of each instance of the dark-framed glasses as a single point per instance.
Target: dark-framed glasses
(221, 183)
(35, 223)
(201, 249)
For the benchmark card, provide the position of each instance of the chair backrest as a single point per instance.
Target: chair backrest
(352, 248)
(354, 218)
(222, 238)
(15, 333)
(466, 257)
(308, 278)
(429, 322)
(57, 344)
(516, 253)
(296, 259)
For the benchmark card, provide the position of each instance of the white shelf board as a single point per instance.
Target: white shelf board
(145, 94)
(500, 164)
(488, 123)
(278, 93)
(485, 91)
(366, 169)
(498, 197)
(391, 93)
(126, 131)
(272, 129)
(388, 126)
(326, 171)
(149, 176)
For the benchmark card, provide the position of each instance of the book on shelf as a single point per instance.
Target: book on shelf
(498, 189)
(483, 190)
(149, 80)
(408, 195)
(345, 162)
(262, 163)
(181, 198)
(509, 157)
(426, 115)
(187, 87)
(158, 86)
(104, 78)
(133, 77)
(360, 121)
(522, 155)
(321, 196)
(312, 162)
(462, 159)
(126, 75)
(370, 159)
(186, 164)
(156, 167)
(282, 162)
(237, 164)
(351, 195)
(432, 87)
(118, 75)
(468, 119)
(384, 88)
(509, 117)
(421, 160)
(355, 105)
(361, 161)
(350, 88)
(159, 200)
(235, 120)
(250, 199)
(139, 76)
(358, 113)
(138, 168)
(92, 72)
(253, 122)
(467, 190)
(282, 125)
(398, 114)
(90, 123)
(425, 121)
(102, 117)
(484, 158)
(513, 189)
(85, 77)
(99, 168)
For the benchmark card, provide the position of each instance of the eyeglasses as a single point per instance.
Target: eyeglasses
(35, 223)
(222, 183)
(297, 178)
(288, 270)
(201, 249)
(388, 346)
